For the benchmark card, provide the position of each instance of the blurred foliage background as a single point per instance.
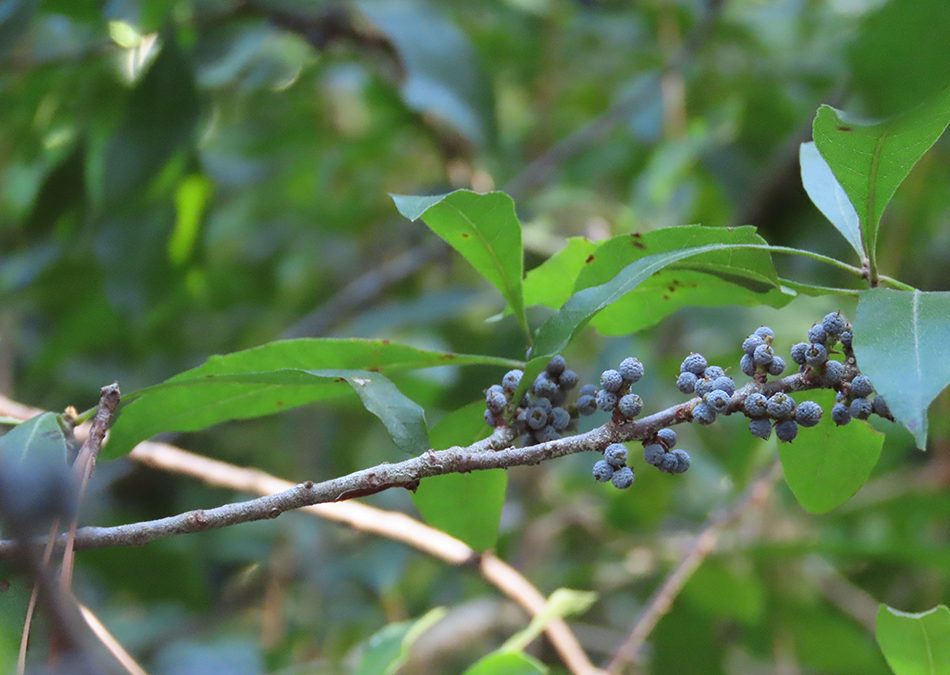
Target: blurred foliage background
(183, 178)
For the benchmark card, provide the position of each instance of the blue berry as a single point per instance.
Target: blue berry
(666, 438)
(703, 386)
(653, 453)
(761, 427)
(496, 401)
(494, 389)
(718, 400)
(808, 413)
(747, 365)
(703, 414)
(798, 352)
(568, 379)
(606, 400)
(602, 471)
(780, 406)
(694, 363)
(861, 408)
(817, 335)
(764, 332)
(586, 404)
(490, 419)
(623, 478)
(630, 405)
(511, 380)
(712, 372)
(879, 406)
(751, 343)
(546, 434)
(816, 355)
(786, 430)
(777, 366)
(631, 370)
(834, 324)
(756, 405)
(840, 414)
(543, 386)
(861, 386)
(682, 460)
(834, 372)
(846, 338)
(556, 366)
(686, 382)
(537, 418)
(611, 380)
(726, 383)
(587, 390)
(762, 356)
(560, 419)
(616, 455)
(540, 402)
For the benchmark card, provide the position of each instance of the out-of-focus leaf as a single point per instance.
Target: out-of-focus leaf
(442, 74)
(270, 379)
(506, 663)
(561, 603)
(191, 198)
(915, 644)
(15, 16)
(825, 465)
(827, 194)
(466, 505)
(828, 642)
(33, 469)
(712, 582)
(870, 161)
(388, 648)
(38, 438)
(484, 229)
(900, 340)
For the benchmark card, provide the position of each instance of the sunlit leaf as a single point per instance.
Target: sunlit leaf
(915, 644)
(827, 194)
(387, 650)
(506, 663)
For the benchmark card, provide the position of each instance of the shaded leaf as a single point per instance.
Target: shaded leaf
(484, 229)
(506, 663)
(915, 644)
(827, 464)
(870, 161)
(38, 438)
(465, 505)
(900, 340)
(388, 648)
(827, 194)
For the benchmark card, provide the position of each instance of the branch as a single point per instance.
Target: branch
(662, 599)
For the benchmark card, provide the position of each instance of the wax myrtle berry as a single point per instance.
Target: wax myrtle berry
(756, 405)
(606, 400)
(786, 430)
(666, 438)
(762, 356)
(536, 418)
(602, 471)
(780, 406)
(611, 380)
(703, 414)
(682, 460)
(704, 386)
(777, 366)
(615, 455)
(653, 453)
(808, 413)
(846, 338)
(747, 365)
(816, 355)
(764, 332)
(622, 478)
(586, 404)
(817, 334)
(587, 390)
(546, 434)
(686, 382)
(543, 386)
(751, 343)
(834, 324)
(725, 383)
(713, 372)
(879, 406)
(840, 414)
(490, 419)
(860, 408)
(560, 419)
(630, 405)
(511, 380)
(694, 363)
(496, 401)
(761, 427)
(718, 400)
(541, 402)
(834, 372)
(798, 352)
(556, 365)
(861, 386)
(568, 379)
(631, 370)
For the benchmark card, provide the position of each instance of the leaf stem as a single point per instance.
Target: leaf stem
(895, 283)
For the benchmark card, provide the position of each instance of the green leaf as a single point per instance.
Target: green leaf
(556, 333)
(443, 77)
(827, 194)
(870, 161)
(467, 506)
(387, 650)
(484, 229)
(273, 378)
(39, 438)
(827, 464)
(506, 663)
(562, 602)
(900, 340)
(915, 644)
(191, 199)
(552, 282)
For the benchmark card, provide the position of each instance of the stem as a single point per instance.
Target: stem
(10, 421)
(818, 257)
(895, 283)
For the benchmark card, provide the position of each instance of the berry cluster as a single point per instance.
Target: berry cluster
(759, 359)
(814, 356)
(854, 400)
(613, 467)
(660, 454)
(614, 394)
(709, 382)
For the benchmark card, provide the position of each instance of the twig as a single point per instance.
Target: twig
(662, 599)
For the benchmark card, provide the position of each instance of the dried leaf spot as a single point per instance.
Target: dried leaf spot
(589, 259)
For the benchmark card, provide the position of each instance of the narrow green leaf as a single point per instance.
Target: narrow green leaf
(465, 505)
(551, 283)
(915, 644)
(900, 340)
(561, 603)
(826, 465)
(267, 380)
(506, 663)
(387, 650)
(484, 229)
(870, 161)
(827, 194)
